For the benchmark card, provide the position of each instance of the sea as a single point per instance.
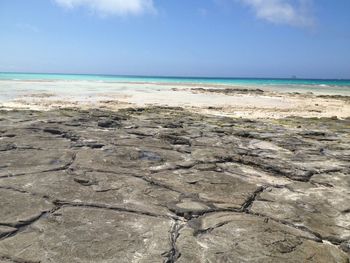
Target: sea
(327, 86)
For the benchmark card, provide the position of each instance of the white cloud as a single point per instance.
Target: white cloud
(291, 12)
(111, 7)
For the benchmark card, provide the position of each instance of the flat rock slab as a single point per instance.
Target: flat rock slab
(18, 208)
(232, 237)
(216, 189)
(77, 234)
(100, 189)
(165, 185)
(324, 210)
(18, 162)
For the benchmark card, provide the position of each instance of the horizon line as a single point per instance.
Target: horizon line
(293, 77)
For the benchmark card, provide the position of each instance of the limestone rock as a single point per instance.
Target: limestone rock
(163, 184)
(232, 237)
(81, 234)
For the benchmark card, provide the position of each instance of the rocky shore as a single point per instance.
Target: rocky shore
(162, 184)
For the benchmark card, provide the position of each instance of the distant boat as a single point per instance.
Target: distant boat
(294, 77)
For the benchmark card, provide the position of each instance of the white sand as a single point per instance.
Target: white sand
(42, 95)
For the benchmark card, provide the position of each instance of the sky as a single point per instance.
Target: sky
(221, 38)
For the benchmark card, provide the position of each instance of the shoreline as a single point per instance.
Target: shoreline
(326, 88)
(252, 102)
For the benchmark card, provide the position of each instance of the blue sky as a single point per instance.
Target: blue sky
(238, 38)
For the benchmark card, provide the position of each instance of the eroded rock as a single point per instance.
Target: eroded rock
(164, 185)
(17, 207)
(233, 237)
(79, 234)
(323, 210)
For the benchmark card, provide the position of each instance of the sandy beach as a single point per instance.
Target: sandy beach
(221, 100)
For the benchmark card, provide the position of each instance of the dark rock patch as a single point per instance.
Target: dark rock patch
(149, 156)
(109, 124)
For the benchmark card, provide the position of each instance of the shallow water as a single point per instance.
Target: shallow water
(13, 85)
(321, 83)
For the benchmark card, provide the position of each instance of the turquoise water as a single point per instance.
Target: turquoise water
(178, 80)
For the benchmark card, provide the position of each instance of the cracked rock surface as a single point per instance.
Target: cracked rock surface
(233, 237)
(165, 185)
